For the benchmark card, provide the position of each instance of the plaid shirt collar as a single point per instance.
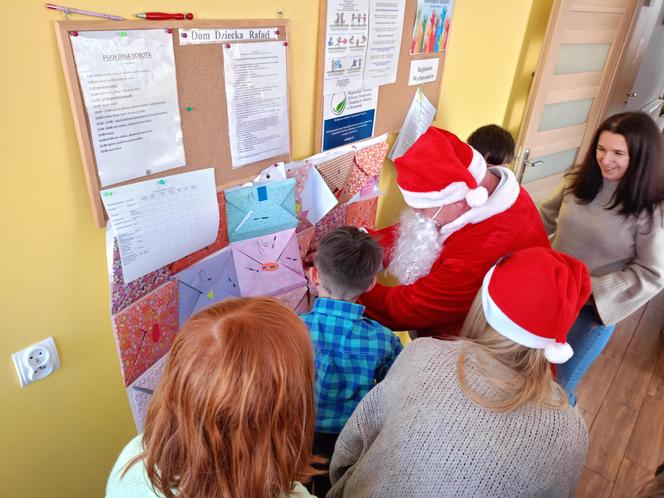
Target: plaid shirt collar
(335, 307)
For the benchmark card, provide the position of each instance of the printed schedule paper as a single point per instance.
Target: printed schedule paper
(162, 220)
(130, 93)
(420, 116)
(257, 101)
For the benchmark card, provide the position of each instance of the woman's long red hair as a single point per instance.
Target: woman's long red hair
(234, 414)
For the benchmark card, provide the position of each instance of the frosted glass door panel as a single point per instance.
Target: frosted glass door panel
(581, 57)
(552, 164)
(562, 114)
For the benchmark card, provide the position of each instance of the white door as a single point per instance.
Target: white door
(584, 39)
(639, 82)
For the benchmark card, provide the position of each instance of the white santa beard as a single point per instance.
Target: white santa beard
(417, 248)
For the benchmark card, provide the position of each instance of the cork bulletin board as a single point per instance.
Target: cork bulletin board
(201, 97)
(393, 99)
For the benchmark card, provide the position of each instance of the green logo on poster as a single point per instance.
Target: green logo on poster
(338, 103)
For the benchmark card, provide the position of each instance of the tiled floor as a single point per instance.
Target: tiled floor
(622, 400)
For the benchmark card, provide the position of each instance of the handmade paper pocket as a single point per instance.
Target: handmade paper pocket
(145, 331)
(257, 210)
(268, 265)
(207, 282)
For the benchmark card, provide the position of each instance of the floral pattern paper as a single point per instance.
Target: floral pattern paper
(362, 214)
(145, 331)
(368, 163)
(122, 295)
(332, 220)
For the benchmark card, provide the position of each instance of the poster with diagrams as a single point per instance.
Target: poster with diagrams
(129, 88)
(257, 101)
(346, 37)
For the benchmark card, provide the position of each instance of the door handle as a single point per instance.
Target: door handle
(631, 94)
(533, 164)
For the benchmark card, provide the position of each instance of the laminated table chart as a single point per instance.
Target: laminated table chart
(159, 221)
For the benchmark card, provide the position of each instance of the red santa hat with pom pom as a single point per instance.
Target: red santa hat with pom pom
(439, 169)
(533, 297)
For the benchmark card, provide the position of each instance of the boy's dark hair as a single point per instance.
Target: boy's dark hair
(348, 259)
(495, 143)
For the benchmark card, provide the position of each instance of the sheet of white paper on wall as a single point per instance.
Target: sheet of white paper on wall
(317, 198)
(162, 220)
(272, 173)
(257, 101)
(423, 71)
(130, 93)
(420, 116)
(385, 33)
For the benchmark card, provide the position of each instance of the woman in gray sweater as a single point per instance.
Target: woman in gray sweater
(608, 213)
(480, 416)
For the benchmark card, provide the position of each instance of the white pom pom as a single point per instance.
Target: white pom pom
(477, 197)
(558, 353)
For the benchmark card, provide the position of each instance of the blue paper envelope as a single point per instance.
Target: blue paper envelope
(209, 281)
(260, 209)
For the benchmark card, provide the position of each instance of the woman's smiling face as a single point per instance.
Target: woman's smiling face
(612, 155)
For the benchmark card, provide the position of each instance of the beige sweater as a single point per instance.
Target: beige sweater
(417, 435)
(625, 258)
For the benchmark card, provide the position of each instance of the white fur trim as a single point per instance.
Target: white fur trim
(477, 166)
(452, 193)
(477, 197)
(558, 353)
(502, 198)
(504, 325)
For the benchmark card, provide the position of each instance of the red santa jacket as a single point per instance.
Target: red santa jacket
(438, 303)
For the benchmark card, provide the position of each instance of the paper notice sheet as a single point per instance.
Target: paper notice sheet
(419, 118)
(161, 220)
(386, 26)
(130, 93)
(257, 101)
(346, 38)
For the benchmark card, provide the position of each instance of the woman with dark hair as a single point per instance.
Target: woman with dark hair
(608, 213)
(234, 413)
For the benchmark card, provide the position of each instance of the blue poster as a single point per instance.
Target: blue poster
(346, 129)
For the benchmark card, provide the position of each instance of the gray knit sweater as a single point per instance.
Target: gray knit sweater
(417, 435)
(625, 257)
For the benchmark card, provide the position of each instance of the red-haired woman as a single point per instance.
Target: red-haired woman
(234, 413)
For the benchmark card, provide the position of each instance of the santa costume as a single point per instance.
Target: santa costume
(439, 169)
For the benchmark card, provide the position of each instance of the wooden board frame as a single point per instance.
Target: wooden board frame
(201, 86)
(393, 99)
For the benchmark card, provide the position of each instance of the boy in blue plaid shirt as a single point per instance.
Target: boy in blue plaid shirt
(351, 352)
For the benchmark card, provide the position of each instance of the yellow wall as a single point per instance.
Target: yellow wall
(59, 437)
(492, 51)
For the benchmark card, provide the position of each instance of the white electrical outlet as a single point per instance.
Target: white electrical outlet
(36, 362)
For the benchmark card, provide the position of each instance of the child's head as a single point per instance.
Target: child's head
(237, 388)
(496, 144)
(346, 262)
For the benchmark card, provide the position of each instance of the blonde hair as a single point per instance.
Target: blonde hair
(234, 414)
(518, 374)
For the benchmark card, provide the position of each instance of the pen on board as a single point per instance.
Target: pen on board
(72, 10)
(163, 16)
